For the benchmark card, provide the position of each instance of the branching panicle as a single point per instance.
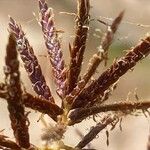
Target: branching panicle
(53, 46)
(97, 58)
(113, 73)
(30, 62)
(80, 97)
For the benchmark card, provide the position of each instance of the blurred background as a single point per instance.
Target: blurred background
(134, 27)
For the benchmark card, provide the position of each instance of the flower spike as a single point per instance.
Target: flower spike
(30, 62)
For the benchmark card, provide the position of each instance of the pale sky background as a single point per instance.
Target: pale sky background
(135, 129)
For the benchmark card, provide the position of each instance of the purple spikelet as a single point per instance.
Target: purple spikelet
(30, 62)
(53, 46)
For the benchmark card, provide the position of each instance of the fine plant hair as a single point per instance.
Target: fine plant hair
(81, 97)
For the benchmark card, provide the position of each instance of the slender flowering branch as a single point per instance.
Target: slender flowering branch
(14, 100)
(81, 113)
(109, 36)
(97, 58)
(95, 130)
(53, 46)
(112, 74)
(79, 44)
(30, 62)
(42, 106)
(38, 104)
